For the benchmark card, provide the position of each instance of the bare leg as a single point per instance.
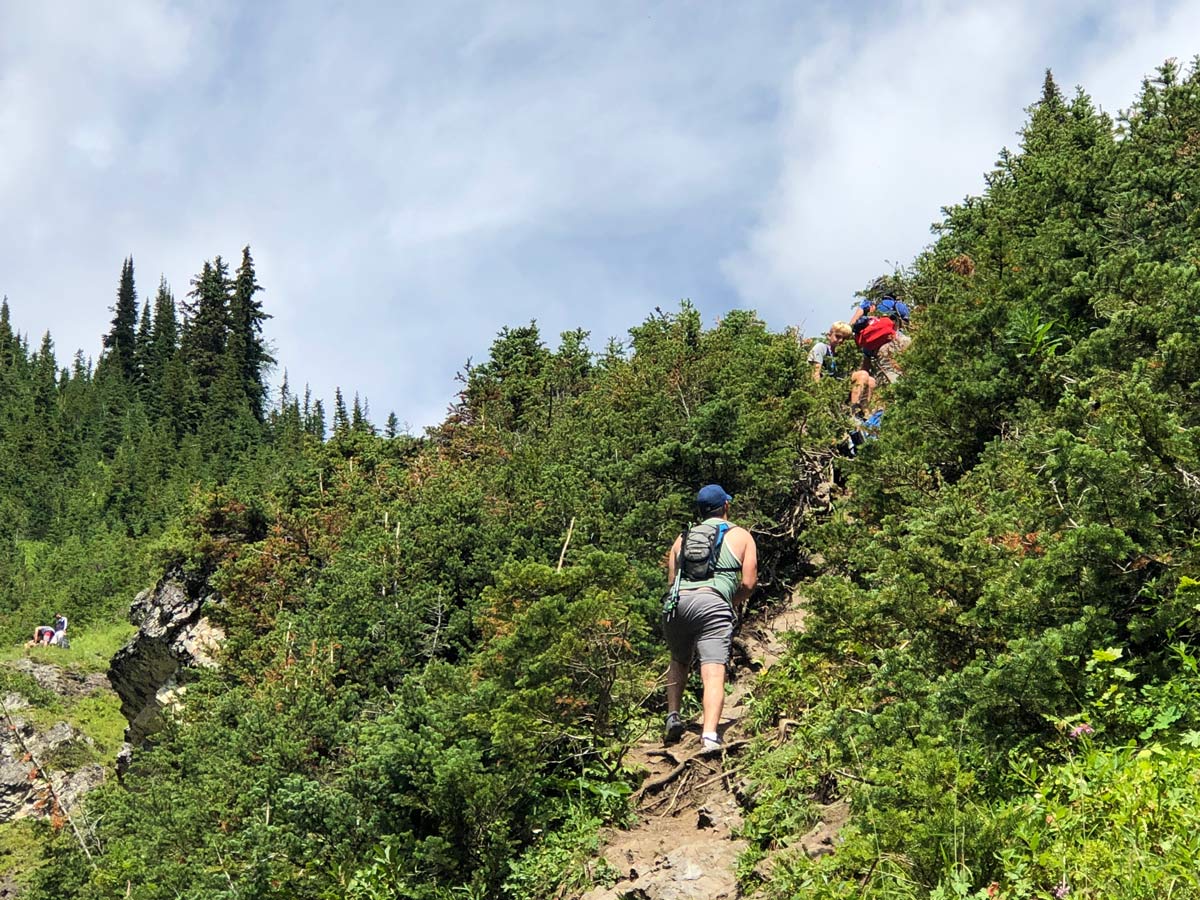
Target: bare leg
(713, 676)
(861, 384)
(676, 678)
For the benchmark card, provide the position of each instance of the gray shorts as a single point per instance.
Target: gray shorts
(703, 622)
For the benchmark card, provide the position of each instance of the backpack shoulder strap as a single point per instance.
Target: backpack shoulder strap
(722, 530)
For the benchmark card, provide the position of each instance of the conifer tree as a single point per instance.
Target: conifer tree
(286, 423)
(360, 417)
(341, 420)
(392, 427)
(246, 345)
(206, 325)
(314, 420)
(120, 342)
(143, 348)
(8, 340)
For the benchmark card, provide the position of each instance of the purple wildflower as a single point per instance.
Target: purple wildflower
(1079, 731)
(1063, 888)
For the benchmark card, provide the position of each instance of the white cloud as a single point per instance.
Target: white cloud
(413, 178)
(884, 125)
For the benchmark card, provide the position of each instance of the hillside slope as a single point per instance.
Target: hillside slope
(440, 651)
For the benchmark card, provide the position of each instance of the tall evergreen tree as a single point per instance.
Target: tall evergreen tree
(341, 419)
(206, 325)
(120, 342)
(142, 350)
(164, 335)
(246, 345)
(314, 420)
(360, 417)
(8, 340)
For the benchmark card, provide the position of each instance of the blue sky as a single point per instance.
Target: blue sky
(411, 177)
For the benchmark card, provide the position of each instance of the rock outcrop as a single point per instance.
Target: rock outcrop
(64, 682)
(174, 635)
(24, 789)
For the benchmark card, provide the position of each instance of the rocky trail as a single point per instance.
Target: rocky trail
(689, 806)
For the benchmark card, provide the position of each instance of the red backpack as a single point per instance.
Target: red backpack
(876, 333)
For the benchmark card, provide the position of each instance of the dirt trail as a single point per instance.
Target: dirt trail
(682, 847)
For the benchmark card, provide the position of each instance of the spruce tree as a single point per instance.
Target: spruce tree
(142, 350)
(314, 421)
(120, 342)
(360, 417)
(341, 420)
(8, 340)
(206, 325)
(246, 346)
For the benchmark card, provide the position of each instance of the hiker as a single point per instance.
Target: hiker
(60, 629)
(877, 332)
(711, 568)
(821, 357)
(43, 634)
(823, 360)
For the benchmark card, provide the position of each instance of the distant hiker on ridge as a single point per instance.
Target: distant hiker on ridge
(43, 634)
(50, 634)
(823, 360)
(711, 568)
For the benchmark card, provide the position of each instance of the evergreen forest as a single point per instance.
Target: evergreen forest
(440, 648)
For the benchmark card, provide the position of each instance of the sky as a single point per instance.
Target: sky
(412, 177)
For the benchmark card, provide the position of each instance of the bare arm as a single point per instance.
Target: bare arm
(672, 555)
(749, 573)
(817, 372)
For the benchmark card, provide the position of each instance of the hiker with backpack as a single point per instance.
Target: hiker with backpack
(823, 359)
(712, 569)
(877, 328)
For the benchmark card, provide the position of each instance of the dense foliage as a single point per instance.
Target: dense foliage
(438, 648)
(1000, 665)
(441, 648)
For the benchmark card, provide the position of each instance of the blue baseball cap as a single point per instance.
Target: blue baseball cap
(712, 496)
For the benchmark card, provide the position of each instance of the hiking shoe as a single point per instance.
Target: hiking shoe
(713, 743)
(674, 729)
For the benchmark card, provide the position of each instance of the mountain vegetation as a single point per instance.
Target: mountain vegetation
(440, 648)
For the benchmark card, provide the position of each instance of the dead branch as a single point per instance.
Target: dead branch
(656, 784)
(566, 543)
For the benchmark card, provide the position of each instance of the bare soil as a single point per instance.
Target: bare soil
(683, 845)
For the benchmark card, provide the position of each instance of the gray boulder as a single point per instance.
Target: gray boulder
(174, 635)
(23, 788)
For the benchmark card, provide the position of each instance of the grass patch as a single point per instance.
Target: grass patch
(21, 846)
(99, 717)
(26, 685)
(90, 651)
